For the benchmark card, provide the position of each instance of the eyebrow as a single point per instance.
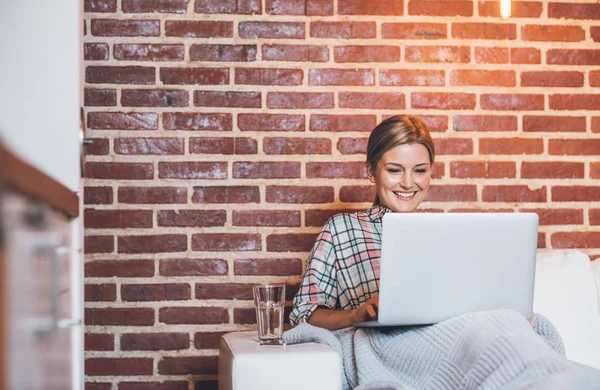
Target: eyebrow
(400, 165)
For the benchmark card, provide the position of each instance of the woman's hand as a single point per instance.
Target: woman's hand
(368, 310)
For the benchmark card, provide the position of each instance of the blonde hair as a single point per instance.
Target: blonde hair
(394, 131)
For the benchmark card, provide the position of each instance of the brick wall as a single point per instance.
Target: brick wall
(226, 132)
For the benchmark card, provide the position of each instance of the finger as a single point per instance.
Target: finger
(371, 311)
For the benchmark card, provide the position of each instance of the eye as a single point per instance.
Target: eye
(394, 170)
(421, 170)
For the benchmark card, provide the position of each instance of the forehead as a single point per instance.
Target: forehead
(406, 154)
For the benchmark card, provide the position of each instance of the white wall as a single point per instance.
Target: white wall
(39, 84)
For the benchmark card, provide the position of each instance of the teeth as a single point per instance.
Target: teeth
(405, 195)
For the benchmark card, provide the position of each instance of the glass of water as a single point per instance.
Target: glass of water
(269, 300)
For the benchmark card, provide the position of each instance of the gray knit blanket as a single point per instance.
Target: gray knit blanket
(486, 350)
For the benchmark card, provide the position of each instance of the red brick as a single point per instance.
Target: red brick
(226, 242)
(154, 341)
(511, 146)
(483, 169)
(483, 31)
(155, 292)
(149, 146)
(357, 193)
(98, 147)
(295, 53)
(152, 195)
(573, 57)
(595, 33)
(192, 267)
(447, 54)
(552, 33)
(207, 340)
(300, 100)
(191, 218)
(449, 146)
(155, 243)
(198, 29)
(227, 99)
(595, 124)
(125, 28)
(100, 97)
(454, 193)
(574, 147)
(228, 7)
(226, 194)
(97, 195)
(491, 55)
(100, 6)
(334, 170)
(575, 102)
(226, 53)
(513, 193)
(411, 77)
(95, 51)
(552, 170)
(594, 215)
(525, 55)
(271, 267)
(100, 293)
(99, 244)
(99, 342)
(270, 122)
(365, 7)
(266, 170)
(341, 77)
(240, 291)
(371, 53)
(279, 30)
(117, 219)
(98, 386)
(510, 102)
(574, 11)
(268, 76)
(551, 79)
(197, 121)
(294, 194)
(119, 268)
(119, 75)
(197, 76)
(352, 145)
(343, 30)
(342, 123)
(119, 171)
(192, 170)
(467, 77)
(145, 52)
(575, 240)
(280, 145)
(594, 78)
(245, 146)
(193, 315)
(434, 123)
(299, 7)
(217, 145)
(266, 218)
(437, 170)
(595, 170)
(119, 317)
(196, 365)
(413, 31)
(554, 123)
(484, 123)
(443, 100)
(541, 243)
(576, 193)
(440, 8)
(373, 100)
(290, 242)
(557, 216)
(519, 9)
(122, 121)
(162, 6)
(320, 217)
(118, 366)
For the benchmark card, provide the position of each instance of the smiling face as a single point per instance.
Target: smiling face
(402, 177)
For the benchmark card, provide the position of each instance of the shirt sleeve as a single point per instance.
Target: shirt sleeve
(319, 284)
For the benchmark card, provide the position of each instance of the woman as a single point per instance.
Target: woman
(341, 283)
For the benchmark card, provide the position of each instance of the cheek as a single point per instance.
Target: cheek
(423, 181)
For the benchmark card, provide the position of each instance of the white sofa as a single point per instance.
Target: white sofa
(567, 291)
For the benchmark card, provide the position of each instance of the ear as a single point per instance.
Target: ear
(370, 173)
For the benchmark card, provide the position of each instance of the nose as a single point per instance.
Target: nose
(407, 180)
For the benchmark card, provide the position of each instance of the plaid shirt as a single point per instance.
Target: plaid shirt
(343, 267)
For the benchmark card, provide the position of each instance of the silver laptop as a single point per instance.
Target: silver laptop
(435, 266)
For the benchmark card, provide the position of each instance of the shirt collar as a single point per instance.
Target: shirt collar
(377, 212)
